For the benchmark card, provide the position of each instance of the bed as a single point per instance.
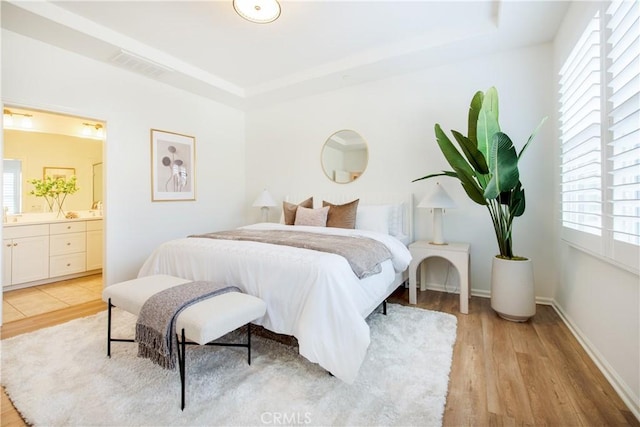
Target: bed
(313, 296)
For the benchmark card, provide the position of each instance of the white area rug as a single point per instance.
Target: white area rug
(60, 376)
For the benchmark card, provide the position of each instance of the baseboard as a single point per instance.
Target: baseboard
(618, 384)
(482, 293)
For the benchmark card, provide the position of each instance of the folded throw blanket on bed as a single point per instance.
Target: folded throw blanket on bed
(363, 254)
(156, 325)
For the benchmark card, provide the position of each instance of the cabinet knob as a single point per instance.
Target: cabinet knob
(68, 243)
(68, 227)
(9, 245)
(69, 265)
(15, 244)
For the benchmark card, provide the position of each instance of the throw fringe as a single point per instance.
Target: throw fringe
(154, 346)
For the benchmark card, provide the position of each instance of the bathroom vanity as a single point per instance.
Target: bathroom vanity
(41, 250)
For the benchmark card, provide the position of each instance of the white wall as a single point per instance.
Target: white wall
(41, 76)
(599, 301)
(396, 117)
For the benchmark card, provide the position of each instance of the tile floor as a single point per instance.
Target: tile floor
(35, 300)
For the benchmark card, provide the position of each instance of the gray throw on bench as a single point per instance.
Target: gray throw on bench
(156, 325)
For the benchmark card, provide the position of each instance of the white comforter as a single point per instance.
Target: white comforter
(314, 296)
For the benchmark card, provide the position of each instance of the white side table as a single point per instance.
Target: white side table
(456, 253)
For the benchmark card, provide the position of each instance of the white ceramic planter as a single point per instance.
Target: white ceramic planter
(512, 289)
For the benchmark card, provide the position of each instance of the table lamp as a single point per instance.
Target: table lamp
(264, 202)
(437, 200)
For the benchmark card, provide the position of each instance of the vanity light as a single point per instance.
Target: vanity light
(258, 11)
(8, 121)
(437, 200)
(7, 117)
(93, 130)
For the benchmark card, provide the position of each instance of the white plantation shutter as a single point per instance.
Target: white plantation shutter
(624, 119)
(580, 134)
(600, 137)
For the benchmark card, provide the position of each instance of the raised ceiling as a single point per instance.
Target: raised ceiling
(206, 48)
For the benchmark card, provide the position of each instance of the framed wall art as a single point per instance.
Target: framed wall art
(58, 173)
(173, 159)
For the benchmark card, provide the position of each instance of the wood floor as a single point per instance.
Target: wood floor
(503, 373)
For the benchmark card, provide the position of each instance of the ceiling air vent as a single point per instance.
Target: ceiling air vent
(139, 64)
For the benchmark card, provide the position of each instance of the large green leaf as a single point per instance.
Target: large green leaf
(450, 152)
(474, 111)
(503, 164)
(474, 192)
(487, 127)
(471, 152)
(490, 102)
(468, 184)
(518, 205)
(433, 175)
(533, 135)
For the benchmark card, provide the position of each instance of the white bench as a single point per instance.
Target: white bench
(199, 323)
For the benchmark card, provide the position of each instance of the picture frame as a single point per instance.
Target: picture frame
(58, 172)
(173, 159)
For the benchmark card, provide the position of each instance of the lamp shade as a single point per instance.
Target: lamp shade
(437, 199)
(264, 200)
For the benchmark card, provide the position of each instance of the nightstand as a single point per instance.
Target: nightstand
(456, 253)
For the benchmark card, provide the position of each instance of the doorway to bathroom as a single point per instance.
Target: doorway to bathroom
(53, 195)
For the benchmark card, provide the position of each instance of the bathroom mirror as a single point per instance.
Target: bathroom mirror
(37, 151)
(344, 156)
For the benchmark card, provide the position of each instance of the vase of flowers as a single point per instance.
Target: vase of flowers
(54, 191)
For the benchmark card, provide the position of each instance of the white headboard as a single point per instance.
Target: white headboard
(404, 200)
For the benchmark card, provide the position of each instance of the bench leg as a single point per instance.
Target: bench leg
(109, 329)
(249, 343)
(181, 366)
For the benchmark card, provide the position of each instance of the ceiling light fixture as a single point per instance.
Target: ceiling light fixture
(258, 11)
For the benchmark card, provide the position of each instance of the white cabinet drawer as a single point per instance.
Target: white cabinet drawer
(61, 265)
(67, 227)
(94, 225)
(61, 244)
(16, 232)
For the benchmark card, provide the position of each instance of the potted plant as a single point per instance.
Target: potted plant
(487, 168)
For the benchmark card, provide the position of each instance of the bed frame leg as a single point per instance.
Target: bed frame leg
(384, 307)
(181, 366)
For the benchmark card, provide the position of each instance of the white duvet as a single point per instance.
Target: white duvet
(314, 296)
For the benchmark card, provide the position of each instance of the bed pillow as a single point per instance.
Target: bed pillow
(315, 217)
(289, 210)
(342, 216)
(373, 218)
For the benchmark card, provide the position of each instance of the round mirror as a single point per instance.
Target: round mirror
(344, 156)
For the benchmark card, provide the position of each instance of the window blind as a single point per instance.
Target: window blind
(599, 122)
(624, 119)
(580, 130)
